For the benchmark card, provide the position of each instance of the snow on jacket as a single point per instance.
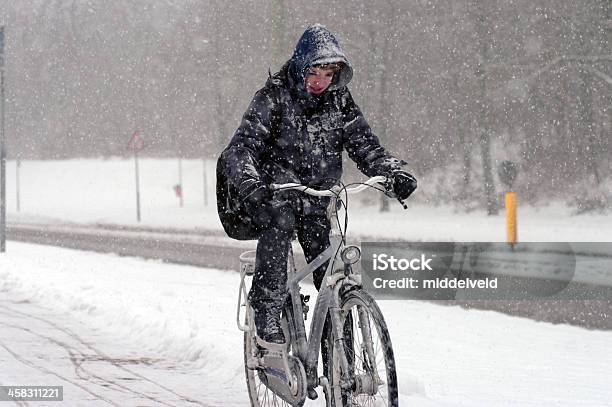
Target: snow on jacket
(289, 135)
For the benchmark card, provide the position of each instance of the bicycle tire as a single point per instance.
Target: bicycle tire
(387, 393)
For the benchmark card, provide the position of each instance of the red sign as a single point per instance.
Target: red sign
(178, 190)
(136, 142)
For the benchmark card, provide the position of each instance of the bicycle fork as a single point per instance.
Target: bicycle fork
(369, 382)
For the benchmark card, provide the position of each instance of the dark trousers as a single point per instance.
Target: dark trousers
(269, 287)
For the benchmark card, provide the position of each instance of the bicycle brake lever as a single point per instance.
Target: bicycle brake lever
(388, 187)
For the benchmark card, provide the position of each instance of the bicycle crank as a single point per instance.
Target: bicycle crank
(284, 375)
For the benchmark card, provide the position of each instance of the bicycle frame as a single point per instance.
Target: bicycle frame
(328, 299)
(306, 348)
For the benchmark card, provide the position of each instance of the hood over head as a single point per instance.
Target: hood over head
(318, 46)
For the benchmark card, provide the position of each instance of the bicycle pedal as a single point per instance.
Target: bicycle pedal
(253, 363)
(323, 382)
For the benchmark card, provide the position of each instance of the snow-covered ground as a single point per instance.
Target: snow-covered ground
(103, 191)
(446, 356)
(41, 346)
(185, 315)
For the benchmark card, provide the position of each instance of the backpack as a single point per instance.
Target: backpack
(232, 214)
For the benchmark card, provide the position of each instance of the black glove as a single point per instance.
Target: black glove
(260, 206)
(404, 184)
(255, 196)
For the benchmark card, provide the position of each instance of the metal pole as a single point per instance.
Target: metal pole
(180, 181)
(137, 182)
(204, 175)
(17, 183)
(2, 150)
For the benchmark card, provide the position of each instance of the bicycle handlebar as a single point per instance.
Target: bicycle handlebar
(380, 179)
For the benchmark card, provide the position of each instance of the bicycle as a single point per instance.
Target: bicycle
(359, 366)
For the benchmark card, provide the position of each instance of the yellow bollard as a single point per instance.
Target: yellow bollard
(511, 231)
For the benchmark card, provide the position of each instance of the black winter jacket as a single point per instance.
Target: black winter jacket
(289, 135)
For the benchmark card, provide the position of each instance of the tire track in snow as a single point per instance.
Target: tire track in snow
(77, 360)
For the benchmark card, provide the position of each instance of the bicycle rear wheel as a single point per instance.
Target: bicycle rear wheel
(369, 352)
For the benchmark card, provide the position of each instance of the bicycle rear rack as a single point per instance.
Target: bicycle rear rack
(247, 268)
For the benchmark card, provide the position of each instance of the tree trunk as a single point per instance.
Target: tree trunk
(279, 12)
(384, 111)
(483, 128)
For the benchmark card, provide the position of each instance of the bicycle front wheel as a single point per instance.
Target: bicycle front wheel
(369, 353)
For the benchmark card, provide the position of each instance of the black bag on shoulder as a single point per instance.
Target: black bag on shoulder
(232, 214)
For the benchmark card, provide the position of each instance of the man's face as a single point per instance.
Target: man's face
(318, 79)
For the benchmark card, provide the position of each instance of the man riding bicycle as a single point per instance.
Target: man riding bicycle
(295, 130)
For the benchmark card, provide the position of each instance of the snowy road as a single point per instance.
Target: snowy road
(42, 347)
(132, 332)
(206, 249)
